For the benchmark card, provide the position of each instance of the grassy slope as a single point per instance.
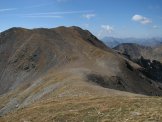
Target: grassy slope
(91, 109)
(79, 100)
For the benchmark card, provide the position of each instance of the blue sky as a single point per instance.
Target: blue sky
(118, 18)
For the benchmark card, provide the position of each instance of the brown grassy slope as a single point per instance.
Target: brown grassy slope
(91, 109)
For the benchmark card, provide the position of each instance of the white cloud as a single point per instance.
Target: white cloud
(7, 9)
(43, 16)
(105, 30)
(89, 16)
(57, 14)
(141, 19)
(60, 12)
(86, 25)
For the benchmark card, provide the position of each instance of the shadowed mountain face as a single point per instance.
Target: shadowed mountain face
(63, 62)
(147, 57)
(135, 51)
(152, 69)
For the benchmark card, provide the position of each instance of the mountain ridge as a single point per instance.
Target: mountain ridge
(64, 62)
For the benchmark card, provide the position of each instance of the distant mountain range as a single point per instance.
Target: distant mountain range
(113, 42)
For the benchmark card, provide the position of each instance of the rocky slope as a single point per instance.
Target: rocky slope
(63, 62)
(134, 51)
(148, 58)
